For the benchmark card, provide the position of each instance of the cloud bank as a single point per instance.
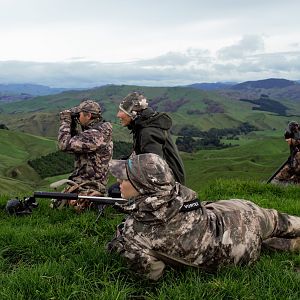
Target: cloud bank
(241, 61)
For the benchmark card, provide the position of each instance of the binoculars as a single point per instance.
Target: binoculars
(74, 115)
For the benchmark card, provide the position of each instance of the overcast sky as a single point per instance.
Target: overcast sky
(87, 43)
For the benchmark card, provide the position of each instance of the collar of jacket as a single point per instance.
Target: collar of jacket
(142, 116)
(92, 124)
(145, 115)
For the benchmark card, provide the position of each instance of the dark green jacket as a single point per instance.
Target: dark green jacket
(151, 134)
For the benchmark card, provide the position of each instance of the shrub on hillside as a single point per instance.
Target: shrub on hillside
(189, 144)
(53, 164)
(3, 126)
(193, 131)
(210, 139)
(122, 149)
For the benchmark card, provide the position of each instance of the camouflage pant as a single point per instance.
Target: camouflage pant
(279, 231)
(244, 229)
(291, 172)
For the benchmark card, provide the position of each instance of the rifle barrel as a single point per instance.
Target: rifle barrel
(108, 200)
(56, 195)
(74, 196)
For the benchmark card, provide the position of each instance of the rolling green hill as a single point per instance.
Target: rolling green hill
(255, 159)
(204, 109)
(16, 149)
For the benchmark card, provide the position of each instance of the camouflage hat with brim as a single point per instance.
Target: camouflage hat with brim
(118, 169)
(88, 106)
(293, 125)
(133, 103)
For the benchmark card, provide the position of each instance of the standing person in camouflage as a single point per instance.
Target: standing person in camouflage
(151, 132)
(92, 147)
(290, 173)
(168, 225)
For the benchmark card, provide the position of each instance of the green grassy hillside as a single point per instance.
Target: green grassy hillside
(62, 255)
(16, 149)
(255, 159)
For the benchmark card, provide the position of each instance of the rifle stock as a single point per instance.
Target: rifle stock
(74, 196)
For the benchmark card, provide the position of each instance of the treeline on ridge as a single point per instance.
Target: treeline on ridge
(58, 163)
(264, 103)
(192, 139)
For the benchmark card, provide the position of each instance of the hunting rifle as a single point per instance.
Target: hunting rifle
(25, 207)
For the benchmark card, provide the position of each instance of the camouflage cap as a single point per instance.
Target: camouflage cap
(293, 125)
(89, 106)
(118, 168)
(133, 103)
(148, 172)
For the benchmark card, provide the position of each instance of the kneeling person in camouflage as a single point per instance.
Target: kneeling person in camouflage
(92, 147)
(290, 173)
(166, 223)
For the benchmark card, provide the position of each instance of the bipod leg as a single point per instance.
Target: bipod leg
(101, 208)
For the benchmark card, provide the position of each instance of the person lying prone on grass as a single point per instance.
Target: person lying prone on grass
(167, 224)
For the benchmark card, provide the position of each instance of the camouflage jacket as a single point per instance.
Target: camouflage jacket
(158, 232)
(93, 150)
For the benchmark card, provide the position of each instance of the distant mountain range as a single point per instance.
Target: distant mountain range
(270, 83)
(16, 92)
(211, 86)
(275, 88)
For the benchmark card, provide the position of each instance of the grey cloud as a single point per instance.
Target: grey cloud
(249, 44)
(168, 59)
(173, 68)
(177, 59)
(284, 65)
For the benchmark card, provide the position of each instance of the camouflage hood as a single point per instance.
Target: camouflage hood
(160, 197)
(150, 118)
(148, 173)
